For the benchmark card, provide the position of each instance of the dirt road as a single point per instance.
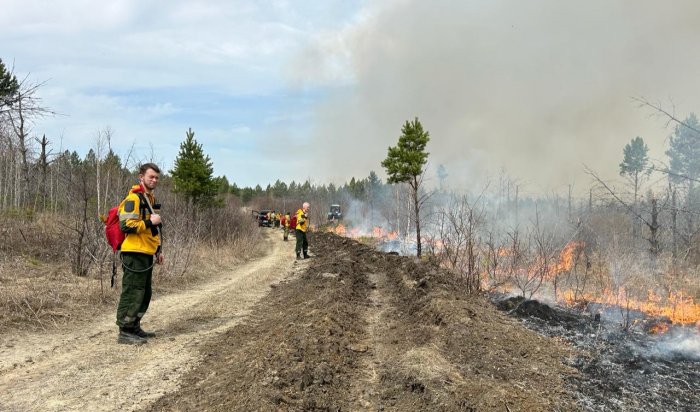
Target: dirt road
(84, 368)
(360, 330)
(351, 329)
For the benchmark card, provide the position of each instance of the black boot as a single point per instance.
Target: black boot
(142, 333)
(128, 336)
(299, 256)
(306, 255)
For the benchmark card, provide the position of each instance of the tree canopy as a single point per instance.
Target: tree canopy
(636, 159)
(8, 85)
(684, 150)
(405, 161)
(193, 172)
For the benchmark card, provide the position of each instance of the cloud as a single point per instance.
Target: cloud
(150, 70)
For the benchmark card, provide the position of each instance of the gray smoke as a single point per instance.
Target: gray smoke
(535, 88)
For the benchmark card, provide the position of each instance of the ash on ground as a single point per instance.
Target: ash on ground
(620, 370)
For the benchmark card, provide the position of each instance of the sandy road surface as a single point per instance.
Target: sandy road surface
(87, 370)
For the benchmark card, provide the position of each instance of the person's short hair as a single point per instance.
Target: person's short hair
(306, 204)
(144, 168)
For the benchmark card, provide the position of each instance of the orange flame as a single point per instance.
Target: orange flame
(338, 230)
(679, 309)
(567, 255)
(659, 328)
(377, 232)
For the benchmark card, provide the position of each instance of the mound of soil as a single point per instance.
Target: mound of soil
(364, 330)
(522, 307)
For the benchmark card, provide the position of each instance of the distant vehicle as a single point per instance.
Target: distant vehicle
(262, 217)
(334, 213)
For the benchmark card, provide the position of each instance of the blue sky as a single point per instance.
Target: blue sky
(319, 89)
(151, 70)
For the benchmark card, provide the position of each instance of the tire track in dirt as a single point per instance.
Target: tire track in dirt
(365, 389)
(86, 369)
(360, 330)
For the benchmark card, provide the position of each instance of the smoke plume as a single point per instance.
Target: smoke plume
(535, 88)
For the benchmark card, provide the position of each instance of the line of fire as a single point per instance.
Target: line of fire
(563, 260)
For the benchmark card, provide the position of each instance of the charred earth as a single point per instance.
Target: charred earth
(359, 329)
(621, 369)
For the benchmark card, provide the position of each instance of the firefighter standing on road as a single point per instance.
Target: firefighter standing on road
(139, 219)
(302, 246)
(285, 224)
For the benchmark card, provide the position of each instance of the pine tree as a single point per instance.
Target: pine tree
(193, 173)
(222, 185)
(235, 190)
(405, 164)
(247, 194)
(442, 176)
(684, 150)
(373, 186)
(635, 163)
(8, 86)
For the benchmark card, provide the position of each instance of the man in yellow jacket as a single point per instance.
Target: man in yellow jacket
(285, 223)
(302, 245)
(139, 219)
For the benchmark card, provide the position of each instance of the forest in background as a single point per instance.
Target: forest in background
(632, 243)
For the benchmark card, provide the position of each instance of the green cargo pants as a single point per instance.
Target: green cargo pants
(136, 288)
(302, 243)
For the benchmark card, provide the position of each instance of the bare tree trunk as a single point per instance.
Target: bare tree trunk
(21, 133)
(674, 227)
(8, 195)
(414, 187)
(44, 167)
(18, 185)
(654, 229)
(4, 186)
(398, 213)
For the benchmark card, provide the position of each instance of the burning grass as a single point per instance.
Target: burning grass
(574, 275)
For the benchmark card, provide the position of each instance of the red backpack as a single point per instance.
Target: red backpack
(293, 221)
(114, 233)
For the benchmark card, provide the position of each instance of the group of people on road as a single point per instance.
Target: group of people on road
(274, 218)
(140, 221)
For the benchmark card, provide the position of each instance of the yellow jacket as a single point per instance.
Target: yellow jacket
(302, 221)
(135, 222)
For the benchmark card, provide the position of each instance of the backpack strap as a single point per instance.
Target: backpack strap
(144, 200)
(156, 230)
(114, 270)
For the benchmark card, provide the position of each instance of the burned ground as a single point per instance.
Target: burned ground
(620, 369)
(365, 330)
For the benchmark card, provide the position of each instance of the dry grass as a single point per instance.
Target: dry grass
(428, 365)
(40, 295)
(38, 290)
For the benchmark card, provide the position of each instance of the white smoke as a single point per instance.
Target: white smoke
(537, 88)
(685, 344)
